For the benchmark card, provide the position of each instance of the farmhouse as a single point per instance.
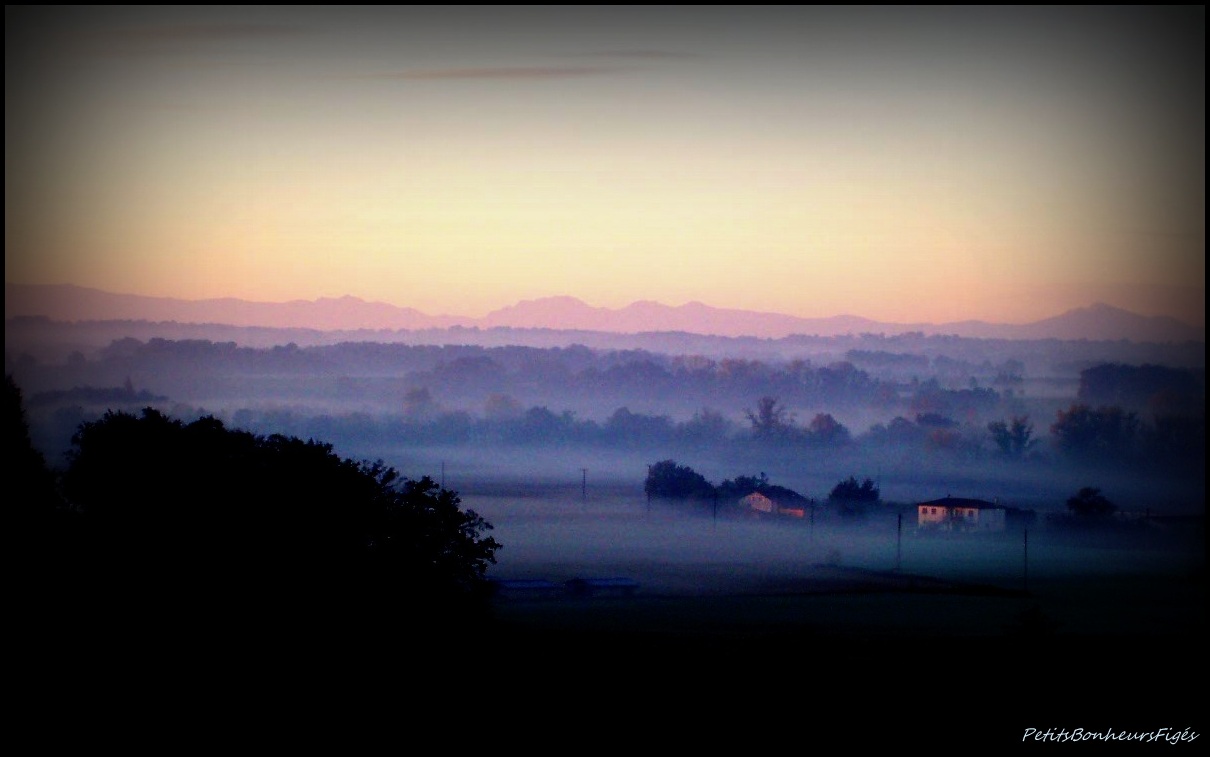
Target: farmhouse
(961, 514)
(782, 505)
(759, 502)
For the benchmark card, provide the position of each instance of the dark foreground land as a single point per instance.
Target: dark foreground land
(712, 645)
(846, 660)
(871, 658)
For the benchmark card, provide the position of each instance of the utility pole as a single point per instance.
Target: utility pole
(1025, 562)
(647, 488)
(584, 484)
(442, 474)
(899, 546)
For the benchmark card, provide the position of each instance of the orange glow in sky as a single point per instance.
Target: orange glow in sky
(911, 165)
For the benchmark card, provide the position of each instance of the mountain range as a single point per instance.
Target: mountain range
(1098, 322)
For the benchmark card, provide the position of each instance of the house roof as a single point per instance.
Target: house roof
(778, 495)
(755, 497)
(947, 501)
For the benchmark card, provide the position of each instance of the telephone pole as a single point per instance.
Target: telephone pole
(899, 545)
(1025, 560)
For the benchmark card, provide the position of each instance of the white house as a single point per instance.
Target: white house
(961, 514)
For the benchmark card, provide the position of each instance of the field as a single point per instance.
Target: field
(837, 579)
(1060, 624)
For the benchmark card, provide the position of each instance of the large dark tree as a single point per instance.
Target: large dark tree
(1089, 502)
(852, 497)
(1105, 435)
(827, 431)
(852, 490)
(670, 480)
(30, 482)
(198, 524)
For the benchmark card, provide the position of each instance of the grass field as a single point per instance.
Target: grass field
(954, 642)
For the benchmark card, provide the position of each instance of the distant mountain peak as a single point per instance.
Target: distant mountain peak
(1098, 321)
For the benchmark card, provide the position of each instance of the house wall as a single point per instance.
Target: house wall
(932, 515)
(961, 518)
(758, 501)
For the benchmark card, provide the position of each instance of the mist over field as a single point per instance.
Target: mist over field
(911, 412)
(557, 443)
(553, 444)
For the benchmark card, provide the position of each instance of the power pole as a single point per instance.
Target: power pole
(647, 487)
(899, 546)
(584, 484)
(1025, 562)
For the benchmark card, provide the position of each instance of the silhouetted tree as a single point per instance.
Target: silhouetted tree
(1015, 438)
(1135, 385)
(197, 519)
(668, 479)
(853, 498)
(706, 425)
(1090, 503)
(742, 486)
(31, 488)
(1176, 436)
(935, 421)
(38, 526)
(627, 427)
(540, 424)
(1106, 434)
(826, 430)
(770, 419)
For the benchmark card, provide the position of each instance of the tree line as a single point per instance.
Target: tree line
(668, 479)
(1078, 433)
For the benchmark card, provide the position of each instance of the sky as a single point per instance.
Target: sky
(902, 164)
